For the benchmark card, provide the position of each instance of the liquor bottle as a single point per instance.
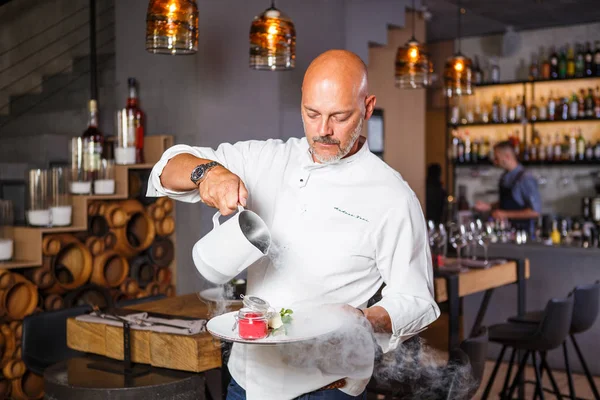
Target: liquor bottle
(134, 113)
(512, 111)
(545, 63)
(570, 63)
(589, 151)
(455, 142)
(573, 148)
(589, 104)
(534, 70)
(574, 106)
(564, 108)
(504, 110)
(597, 103)
(484, 146)
(495, 71)
(562, 64)
(580, 147)
(579, 62)
(553, 65)
(533, 111)
(461, 151)
(589, 60)
(496, 109)
(581, 107)
(475, 151)
(542, 152)
(557, 149)
(542, 109)
(549, 149)
(455, 114)
(93, 140)
(597, 151)
(477, 72)
(551, 107)
(526, 154)
(467, 148)
(520, 113)
(597, 58)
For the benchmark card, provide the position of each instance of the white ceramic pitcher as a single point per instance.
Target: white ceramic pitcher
(231, 247)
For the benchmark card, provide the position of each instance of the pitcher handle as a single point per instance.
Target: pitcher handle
(215, 219)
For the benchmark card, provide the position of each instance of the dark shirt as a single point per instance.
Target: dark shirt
(525, 191)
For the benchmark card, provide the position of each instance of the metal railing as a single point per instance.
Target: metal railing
(32, 50)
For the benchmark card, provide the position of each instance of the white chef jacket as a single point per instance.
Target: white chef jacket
(339, 232)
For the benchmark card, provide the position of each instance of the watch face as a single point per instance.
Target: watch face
(197, 173)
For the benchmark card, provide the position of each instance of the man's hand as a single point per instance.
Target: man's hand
(482, 206)
(223, 189)
(499, 214)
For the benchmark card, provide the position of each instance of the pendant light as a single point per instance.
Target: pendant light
(414, 70)
(272, 41)
(172, 27)
(458, 76)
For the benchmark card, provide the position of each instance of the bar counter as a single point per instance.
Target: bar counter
(555, 271)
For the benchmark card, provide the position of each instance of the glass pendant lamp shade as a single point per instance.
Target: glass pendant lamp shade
(413, 68)
(458, 77)
(272, 41)
(172, 27)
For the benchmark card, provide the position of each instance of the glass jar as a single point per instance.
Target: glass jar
(60, 199)
(7, 219)
(253, 319)
(38, 213)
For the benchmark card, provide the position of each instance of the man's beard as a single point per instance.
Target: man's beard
(342, 151)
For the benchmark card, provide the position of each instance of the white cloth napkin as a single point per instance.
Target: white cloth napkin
(141, 321)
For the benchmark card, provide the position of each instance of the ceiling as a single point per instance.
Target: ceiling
(484, 17)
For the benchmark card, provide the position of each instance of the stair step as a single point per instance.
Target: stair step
(79, 79)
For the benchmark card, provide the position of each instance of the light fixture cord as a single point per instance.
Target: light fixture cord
(413, 19)
(458, 27)
(272, 3)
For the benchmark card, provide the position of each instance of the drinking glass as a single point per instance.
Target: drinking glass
(458, 240)
(105, 184)
(60, 202)
(81, 179)
(7, 219)
(485, 239)
(38, 213)
(126, 137)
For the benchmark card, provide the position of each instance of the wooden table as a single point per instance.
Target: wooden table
(451, 287)
(195, 353)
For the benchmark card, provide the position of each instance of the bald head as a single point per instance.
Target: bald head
(335, 103)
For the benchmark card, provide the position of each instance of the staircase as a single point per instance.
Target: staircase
(45, 70)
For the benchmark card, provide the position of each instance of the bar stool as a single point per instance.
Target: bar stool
(548, 334)
(585, 313)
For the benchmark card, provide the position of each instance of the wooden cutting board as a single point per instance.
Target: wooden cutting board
(194, 353)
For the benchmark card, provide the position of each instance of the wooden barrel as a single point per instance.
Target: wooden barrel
(14, 368)
(20, 299)
(89, 294)
(161, 252)
(110, 269)
(109, 241)
(117, 296)
(53, 302)
(9, 343)
(6, 279)
(93, 208)
(29, 386)
(51, 245)
(166, 226)
(115, 215)
(95, 245)
(130, 287)
(167, 289)
(72, 266)
(17, 328)
(42, 277)
(142, 270)
(136, 236)
(5, 388)
(163, 275)
(152, 289)
(98, 226)
(156, 212)
(166, 203)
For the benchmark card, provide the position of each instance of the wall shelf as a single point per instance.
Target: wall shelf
(559, 121)
(533, 82)
(533, 164)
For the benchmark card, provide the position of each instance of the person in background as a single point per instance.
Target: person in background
(435, 196)
(519, 199)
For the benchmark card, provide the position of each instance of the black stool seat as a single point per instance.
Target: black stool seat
(533, 317)
(522, 336)
(73, 380)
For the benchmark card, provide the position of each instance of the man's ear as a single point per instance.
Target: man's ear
(370, 102)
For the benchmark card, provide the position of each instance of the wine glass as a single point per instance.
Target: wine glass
(458, 240)
(485, 238)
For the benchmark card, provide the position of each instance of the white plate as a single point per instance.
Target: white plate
(216, 295)
(306, 324)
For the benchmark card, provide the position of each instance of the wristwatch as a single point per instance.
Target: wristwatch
(201, 170)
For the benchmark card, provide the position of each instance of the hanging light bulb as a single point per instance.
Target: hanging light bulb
(172, 27)
(458, 73)
(272, 41)
(413, 68)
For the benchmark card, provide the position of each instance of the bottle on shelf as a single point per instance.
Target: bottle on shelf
(597, 58)
(455, 141)
(475, 151)
(549, 149)
(533, 111)
(542, 109)
(534, 69)
(581, 106)
(574, 106)
(553, 64)
(589, 104)
(581, 147)
(484, 149)
(597, 103)
(503, 110)
(467, 148)
(512, 111)
(496, 109)
(135, 113)
(494, 71)
(589, 151)
(520, 113)
(597, 151)
(551, 107)
(477, 72)
(557, 149)
(589, 60)
(562, 64)
(572, 149)
(579, 62)
(542, 153)
(93, 140)
(555, 235)
(570, 63)
(564, 108)
(545, 66)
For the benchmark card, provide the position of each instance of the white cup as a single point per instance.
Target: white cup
(230, 248)
(6, 249)
(61, 215)
(104, 186)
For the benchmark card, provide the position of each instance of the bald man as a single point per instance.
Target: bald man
(343, 223)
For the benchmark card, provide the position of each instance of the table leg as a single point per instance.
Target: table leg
(225, 375)
(481, 313)
(453, 312)
(521, 281)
